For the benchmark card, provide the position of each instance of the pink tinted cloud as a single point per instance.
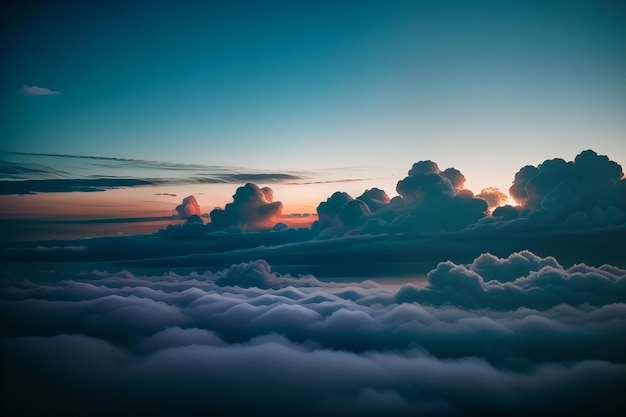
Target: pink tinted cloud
(37, 91)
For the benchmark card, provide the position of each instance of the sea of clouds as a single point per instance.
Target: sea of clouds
(497, 336)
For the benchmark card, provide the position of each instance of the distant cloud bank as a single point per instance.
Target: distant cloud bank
(28, 90)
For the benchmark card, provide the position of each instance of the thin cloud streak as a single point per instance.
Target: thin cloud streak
(40, 173)
(37, 91)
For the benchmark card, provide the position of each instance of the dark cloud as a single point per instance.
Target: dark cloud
(561, 187)
(250, 341)
(20, 171)
(375, 199)
(68, 185)
(457, 180)
(330, 181)
(587, 195)
(259, 177)
(414, 189)
(252, 208)
(425, 181)
(430, 200)
(31, 173)
(507, 212)
(435, 201)
(447, 213)
(354, 213)
(328, 210)
(424, 167)
(521, 280)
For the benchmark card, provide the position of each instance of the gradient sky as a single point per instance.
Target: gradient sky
(486, 87)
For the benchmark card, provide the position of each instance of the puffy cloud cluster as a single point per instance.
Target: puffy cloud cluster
(436, 201)
(562, 188)
(510, 336)
(425, 180)
(188, 208)
(430, 200)
(587, 193)
(252, 208)
(521, 280)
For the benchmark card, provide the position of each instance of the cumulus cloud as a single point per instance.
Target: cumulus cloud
(581, 196)
(353, 213)
(430, 200)
(252, 208)
(37, 91)
(375, 199)
(425, 180)
(188, 208)
(436, 200)
(328, 210)
(457, 180)
(495, 336)
(564, 187)
(493, 196)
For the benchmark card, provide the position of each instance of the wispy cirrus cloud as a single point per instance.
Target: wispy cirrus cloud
(33, 173)
(28, 90)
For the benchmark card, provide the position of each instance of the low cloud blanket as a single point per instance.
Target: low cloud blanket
(514, 336)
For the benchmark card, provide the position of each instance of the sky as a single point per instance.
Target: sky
(485, 87)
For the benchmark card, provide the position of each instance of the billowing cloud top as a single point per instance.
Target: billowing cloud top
(37, 91)
(519, 335)
(590, 180)
(587, 193)
(252, 208)
(493, 197)
(189, 207)
(430, 200)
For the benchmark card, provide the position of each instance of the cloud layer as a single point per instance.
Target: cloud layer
(515, 335)
(28, 173)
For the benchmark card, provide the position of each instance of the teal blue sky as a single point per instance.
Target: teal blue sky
(485, 86)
